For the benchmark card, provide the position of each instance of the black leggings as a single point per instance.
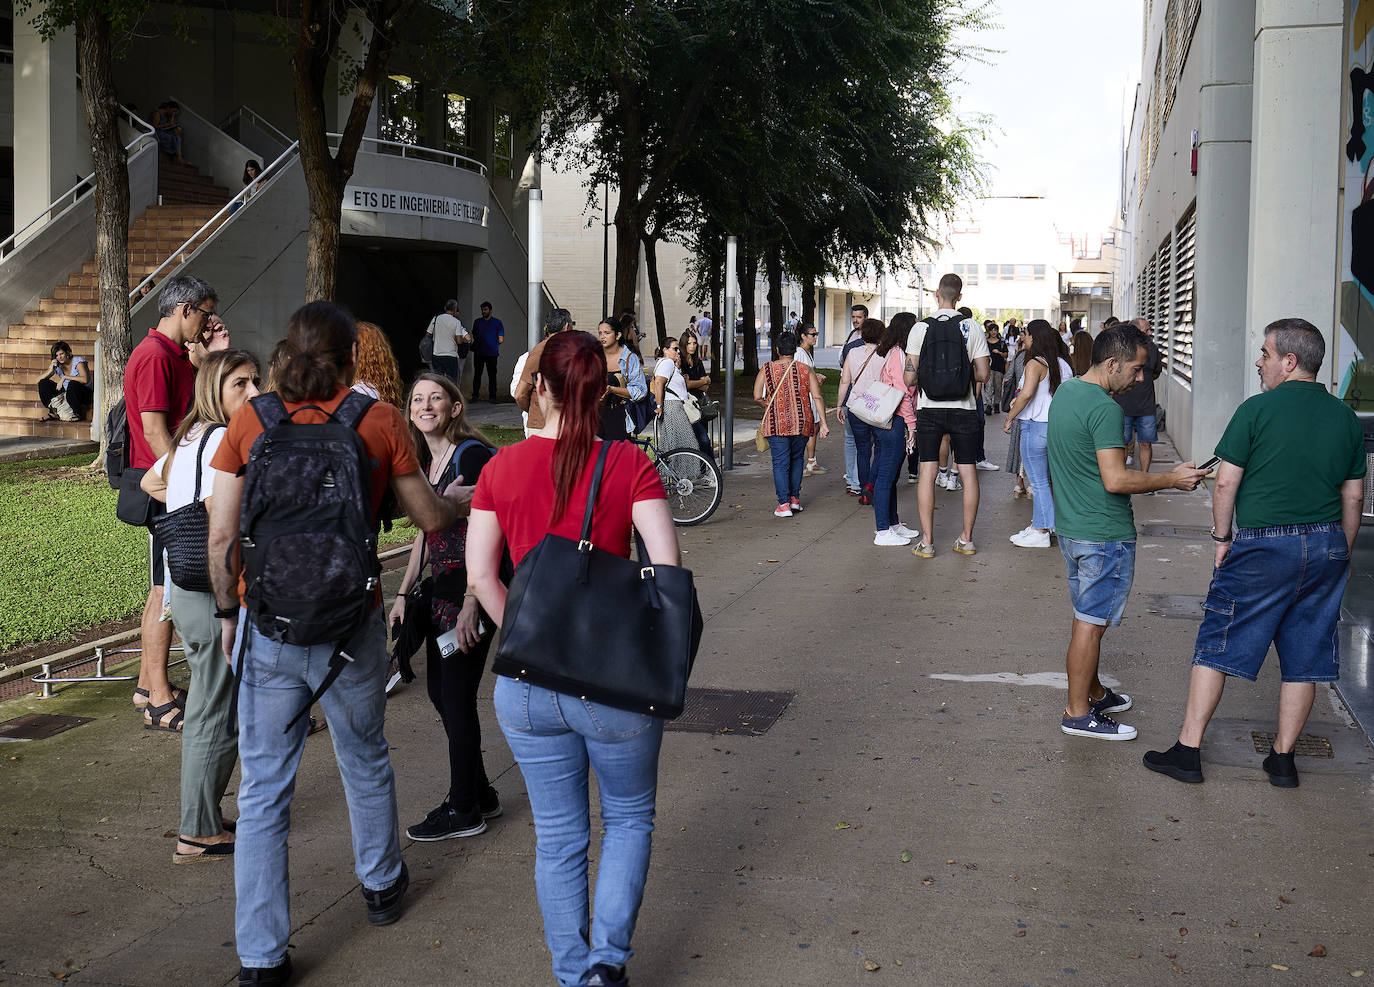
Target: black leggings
(78, 394)
(452, 683)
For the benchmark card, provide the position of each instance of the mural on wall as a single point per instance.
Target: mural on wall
(1356, 339)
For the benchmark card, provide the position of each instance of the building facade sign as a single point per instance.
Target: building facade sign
(407, 203)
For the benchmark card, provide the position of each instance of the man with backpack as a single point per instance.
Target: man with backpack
(159, 384)
(303, 474)
(946, 355)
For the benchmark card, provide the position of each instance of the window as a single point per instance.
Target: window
(457, 129)
(502, 146)
(1181, 338)
(1025, 272)
(402, 118)
(1037, 313)
(969, 272)
(1039, 272)
(1008, 272)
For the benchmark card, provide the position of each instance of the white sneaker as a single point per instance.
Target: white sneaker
(1130, 460)
(954, 482)
(904, 531)
(890, 538)
(941, 479)
(1018, 534)
(1031, 539)
(784, 510)
(983, 464)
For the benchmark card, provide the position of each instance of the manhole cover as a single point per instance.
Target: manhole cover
(38, 726)
(1174, 531)
(1308, 745)
(1176, 606)
(730, 711)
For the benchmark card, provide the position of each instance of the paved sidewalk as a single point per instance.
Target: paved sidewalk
(915, 808)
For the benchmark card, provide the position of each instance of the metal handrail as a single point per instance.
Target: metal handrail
(414, 150)
(77, 191)
(244, 197)
(258, 119)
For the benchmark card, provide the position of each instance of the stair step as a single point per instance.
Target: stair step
(52, 430)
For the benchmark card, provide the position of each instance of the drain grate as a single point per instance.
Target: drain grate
(1308, 745)
(1174, 531)
(731, 711)
(38, 726)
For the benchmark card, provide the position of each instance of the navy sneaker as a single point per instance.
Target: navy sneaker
(605, 975)
(266, 976)
(447, 823)
(384, 907)
(1110, 702)
(490, 804)
(1097, 726)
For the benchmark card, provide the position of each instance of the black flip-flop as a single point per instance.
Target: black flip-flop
(48, 418)
(153, 717)
(208, 851)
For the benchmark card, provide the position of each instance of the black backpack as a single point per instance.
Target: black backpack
(116, 444)
(944, 371)
(307, 529)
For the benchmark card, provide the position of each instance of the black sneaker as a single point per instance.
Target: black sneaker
(605, 975)
(1178, 762)
(447, 823)
(490, 804)
(384, 907)
(266, 976)
(1282, 772)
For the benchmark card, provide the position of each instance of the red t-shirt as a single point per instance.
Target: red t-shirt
(518, 485)
(157, 377)
(383, 431)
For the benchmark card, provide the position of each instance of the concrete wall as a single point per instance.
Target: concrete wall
(214, 153)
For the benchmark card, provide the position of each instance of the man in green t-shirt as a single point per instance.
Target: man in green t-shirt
(1092, 511)
(1292, 473)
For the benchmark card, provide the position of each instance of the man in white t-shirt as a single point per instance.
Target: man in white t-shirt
(955, 416)
(449, 337)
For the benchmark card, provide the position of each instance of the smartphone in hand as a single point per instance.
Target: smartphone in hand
(1210, 465)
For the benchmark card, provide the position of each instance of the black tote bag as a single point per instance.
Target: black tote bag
(585, 622)
(185, 533)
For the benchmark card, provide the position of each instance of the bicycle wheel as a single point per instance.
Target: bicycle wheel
(693, 485)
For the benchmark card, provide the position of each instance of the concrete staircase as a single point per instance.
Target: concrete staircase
(71, 313)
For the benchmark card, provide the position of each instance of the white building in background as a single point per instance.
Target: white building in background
(1232, 198)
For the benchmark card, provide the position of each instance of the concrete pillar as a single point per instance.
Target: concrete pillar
(1294, 193)
(51, 149)
(1224, 41)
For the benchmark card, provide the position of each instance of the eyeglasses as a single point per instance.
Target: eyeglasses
(816, 333)
(197, 308)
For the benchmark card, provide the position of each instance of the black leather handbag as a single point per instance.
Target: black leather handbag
(585, 622)
(185, 533)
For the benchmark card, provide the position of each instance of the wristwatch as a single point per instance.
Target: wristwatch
(1222, 538)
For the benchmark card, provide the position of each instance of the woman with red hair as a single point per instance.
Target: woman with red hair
(378, 375)
(528, 490)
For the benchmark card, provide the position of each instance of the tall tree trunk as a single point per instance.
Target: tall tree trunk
(777, 314)
(111, 204)
(808, 312)
(655, 290)
(747, 270)
(327, 175)
(628, 233)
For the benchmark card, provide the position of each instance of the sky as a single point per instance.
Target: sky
(1059, 86)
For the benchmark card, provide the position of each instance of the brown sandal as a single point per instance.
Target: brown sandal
(169, 717)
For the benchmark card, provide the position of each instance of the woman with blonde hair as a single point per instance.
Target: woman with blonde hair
(451, 450)
(377, 375)
(225, 383)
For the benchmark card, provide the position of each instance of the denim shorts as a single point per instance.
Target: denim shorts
(1145, 427)
(1280, 586)
(1100, 576)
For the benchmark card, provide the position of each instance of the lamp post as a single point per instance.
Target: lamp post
(536, 286)
(728, 338)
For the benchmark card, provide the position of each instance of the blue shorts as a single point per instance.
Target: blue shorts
(1145, 427)
(1100, 576)
(1280, 586)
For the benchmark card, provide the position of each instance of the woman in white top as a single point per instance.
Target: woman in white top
(807, 339)
(670, 391)
(1045, 371)
(225, 382)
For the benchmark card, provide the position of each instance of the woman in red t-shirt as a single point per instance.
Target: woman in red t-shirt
(528, 490)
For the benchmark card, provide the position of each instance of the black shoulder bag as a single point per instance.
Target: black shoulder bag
(186, 533)
(585, 622)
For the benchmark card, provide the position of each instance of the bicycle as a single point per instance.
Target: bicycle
(691, 479)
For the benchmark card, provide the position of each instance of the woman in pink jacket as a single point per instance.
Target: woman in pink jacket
(885, 446)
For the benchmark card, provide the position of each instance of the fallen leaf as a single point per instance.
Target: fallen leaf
(1281, 897)
(906, 856)
(1277, 966)
(1020, 933)
(1183, 932)
(842, 825)
(1232, 923)
(1318, 950)
(870, 966)
(927, 881)
(1357, 973)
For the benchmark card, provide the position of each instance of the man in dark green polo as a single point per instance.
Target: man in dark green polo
(1292, 474)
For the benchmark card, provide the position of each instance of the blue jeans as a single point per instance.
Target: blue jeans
(888, 446)
(554, 738)
(278, 679)
(789, 458)
(1035, 457)
(851, 457)
(1282, 586)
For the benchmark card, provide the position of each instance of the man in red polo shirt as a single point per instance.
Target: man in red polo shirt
(159, 385)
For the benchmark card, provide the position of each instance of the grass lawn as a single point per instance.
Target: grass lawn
(66, 564)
